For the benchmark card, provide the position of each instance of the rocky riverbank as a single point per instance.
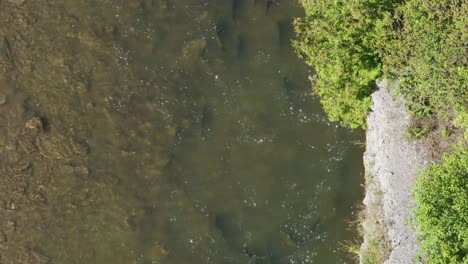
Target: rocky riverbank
(392, 163)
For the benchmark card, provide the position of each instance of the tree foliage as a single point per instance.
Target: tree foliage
(442, 212)
(422, 44)
(338, 39)
(426, 51)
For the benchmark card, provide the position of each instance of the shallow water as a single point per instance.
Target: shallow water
(202, 142)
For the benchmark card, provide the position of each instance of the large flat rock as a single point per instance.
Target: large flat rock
(394, 162)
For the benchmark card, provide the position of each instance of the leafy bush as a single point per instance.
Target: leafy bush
(420, 43)
(442, 212)
(338, 39)
(426, 52)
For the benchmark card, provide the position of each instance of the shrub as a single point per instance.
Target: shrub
(338, 39)
(442, 213)
(426, 52)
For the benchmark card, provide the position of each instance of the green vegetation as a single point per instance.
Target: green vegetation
(338, 39)
(421, 45)
(442, 214)
(426, 52)
(418, 131)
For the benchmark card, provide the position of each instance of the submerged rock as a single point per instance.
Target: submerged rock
(34, 123)
(3, 99)
(194, 49)
(39, 258)
(157, 252)
(17, 2)
(81, 171)
(10, 226)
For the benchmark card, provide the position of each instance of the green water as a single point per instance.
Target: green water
(175, 131)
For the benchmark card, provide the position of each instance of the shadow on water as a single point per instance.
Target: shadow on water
(168, 131)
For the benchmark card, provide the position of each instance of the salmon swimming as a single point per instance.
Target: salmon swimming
(223, 34)
(236, 9)
(268, 4)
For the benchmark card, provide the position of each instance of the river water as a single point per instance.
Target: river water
(173, 131)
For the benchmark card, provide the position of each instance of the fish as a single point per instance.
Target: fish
(304, 235)
(292, 92)
(284, 34)
(300, 242)
(206, 122)
(258, 253)
(223, 34)
(226, 225)
(241, 46)
(229, 227)
(236, 9)
(9, 50)
(268, 5)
